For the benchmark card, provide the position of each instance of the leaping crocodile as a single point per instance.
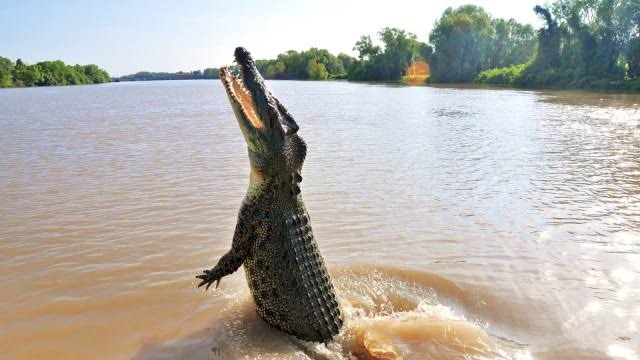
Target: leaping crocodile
(289, 282)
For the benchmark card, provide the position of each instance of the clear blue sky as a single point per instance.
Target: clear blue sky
(156, 35)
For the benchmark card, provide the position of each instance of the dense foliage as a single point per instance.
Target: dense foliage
(584, 44)
(464, 42)
(501, 76)
(467, 40)
(49, 73)
(389, 62)
(208, 73)
(313, 64)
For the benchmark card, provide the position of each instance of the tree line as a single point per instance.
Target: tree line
(583, 44)
(208, 73)
(49, 73)
(464, 42)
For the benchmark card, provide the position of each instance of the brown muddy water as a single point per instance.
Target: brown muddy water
(457, 223)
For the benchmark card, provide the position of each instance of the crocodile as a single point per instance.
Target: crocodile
(286, 274)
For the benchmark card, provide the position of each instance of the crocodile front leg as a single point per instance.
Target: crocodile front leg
(231, 261)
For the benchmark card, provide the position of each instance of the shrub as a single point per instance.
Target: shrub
(501, 76)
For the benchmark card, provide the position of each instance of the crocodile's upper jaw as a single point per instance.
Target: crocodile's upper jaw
(262, 118)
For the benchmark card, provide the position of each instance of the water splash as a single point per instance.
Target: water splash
(389, 314)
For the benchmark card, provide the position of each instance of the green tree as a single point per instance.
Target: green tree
(53, 73)
(295, 65)
(400, 50)
(47, 73)
(549, 39)
(6, 68)
(211, 73)
(331, 63)
(462, 39)
(365, 48)
(513, 43)
(591, 36)
(389, 62)
(316, 71)
(75, 75)
(95, 74)
(583, 43)
(628, 15)
(633, 56)
(275, 70)
(310, 64)
(26, 75)
(346, 60)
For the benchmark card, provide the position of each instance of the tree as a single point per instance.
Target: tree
(331, 63)
(593, 35)
(513, 43)
(365, 48)
(211, 73)
(317, 71)
(47, 73)
(6, 68)
(95, 74)
(53, 73)
(400, 50)
(633, 56)
(275, 70)
(26, 75)
(462, 39)
(390, 62)
(346, 60)
(317, 64)
(583, 43)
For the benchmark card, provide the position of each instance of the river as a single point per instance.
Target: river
(456, 222)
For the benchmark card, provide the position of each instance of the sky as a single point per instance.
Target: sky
(125, 37)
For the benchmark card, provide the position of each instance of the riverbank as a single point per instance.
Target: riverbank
(533, 76)
(49, 73)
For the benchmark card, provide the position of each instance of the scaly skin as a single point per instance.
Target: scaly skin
(289, 282)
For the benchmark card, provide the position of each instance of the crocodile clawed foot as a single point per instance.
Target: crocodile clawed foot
(208, 278)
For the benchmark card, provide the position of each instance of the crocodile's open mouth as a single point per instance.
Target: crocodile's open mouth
(264, 121)
(240, 95)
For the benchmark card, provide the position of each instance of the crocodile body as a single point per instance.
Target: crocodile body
(273, 238)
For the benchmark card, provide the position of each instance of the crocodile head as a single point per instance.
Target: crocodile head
(268, 128)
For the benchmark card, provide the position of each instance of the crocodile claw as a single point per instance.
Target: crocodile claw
(208, 278)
